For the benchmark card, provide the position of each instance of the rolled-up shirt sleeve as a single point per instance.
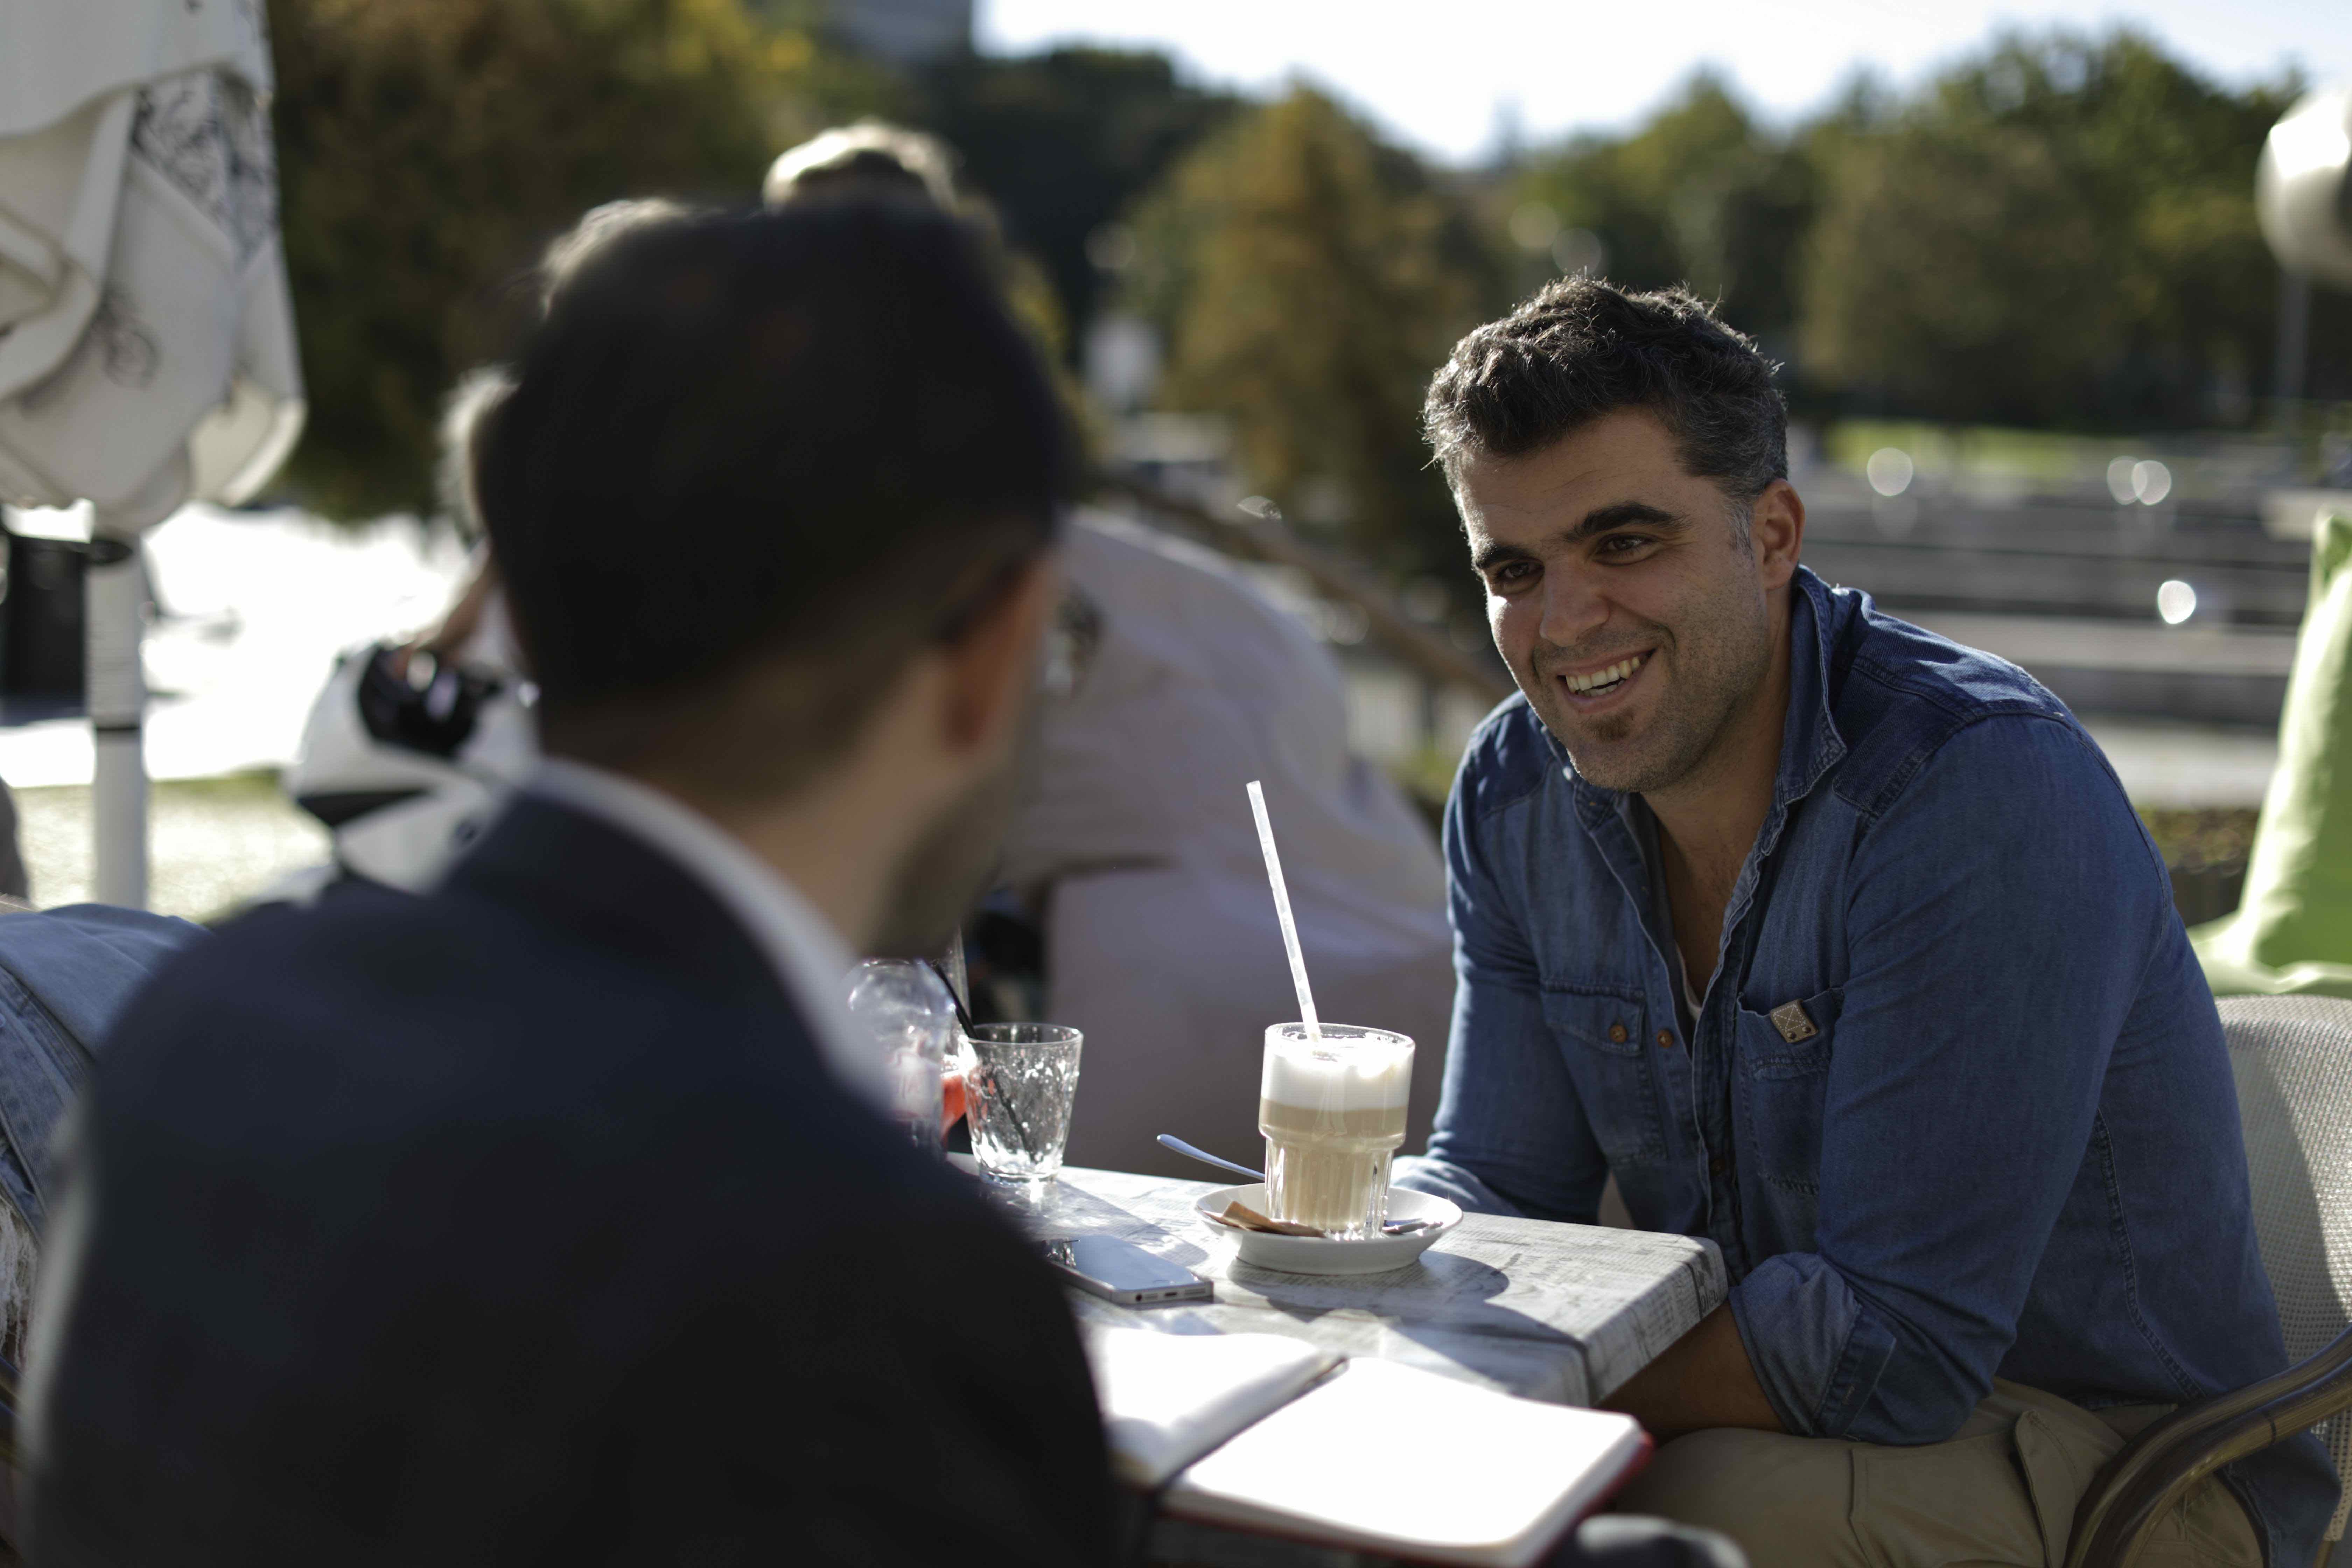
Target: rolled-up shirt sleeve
(1511, 1135)
(1998, 914)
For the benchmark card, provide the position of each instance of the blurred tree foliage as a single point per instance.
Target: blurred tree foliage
(1062, 142)
(2058, 231)
(2061, 232)
(429, 149)
(1699, 194)
(1307, 277)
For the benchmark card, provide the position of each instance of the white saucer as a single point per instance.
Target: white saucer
(1321, 1255)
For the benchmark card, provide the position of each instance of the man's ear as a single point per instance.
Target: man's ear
(1776, 533)
(991, 666)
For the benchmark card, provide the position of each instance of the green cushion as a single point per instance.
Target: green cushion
(2293, 930)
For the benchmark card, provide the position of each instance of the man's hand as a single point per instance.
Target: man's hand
(1704, 1379)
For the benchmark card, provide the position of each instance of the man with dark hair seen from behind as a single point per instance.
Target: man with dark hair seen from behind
(551, 1217)
(1839, 946)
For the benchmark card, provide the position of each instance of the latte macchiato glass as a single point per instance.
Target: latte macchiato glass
(1332, 1111)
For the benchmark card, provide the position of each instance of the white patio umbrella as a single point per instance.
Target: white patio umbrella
(147, 353)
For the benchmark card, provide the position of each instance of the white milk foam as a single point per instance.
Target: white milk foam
(1349, 1071)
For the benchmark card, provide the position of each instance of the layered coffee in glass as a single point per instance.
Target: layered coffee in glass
(1332, 1110)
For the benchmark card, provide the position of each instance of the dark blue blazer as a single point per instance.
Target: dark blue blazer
(519, 1223)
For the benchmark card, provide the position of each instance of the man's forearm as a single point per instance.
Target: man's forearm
(1704, 1379)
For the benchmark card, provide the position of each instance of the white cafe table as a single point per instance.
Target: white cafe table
(1558, 1312)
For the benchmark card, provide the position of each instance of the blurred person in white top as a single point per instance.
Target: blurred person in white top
(1135, 846)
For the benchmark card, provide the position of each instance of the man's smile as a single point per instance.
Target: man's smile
(1602, 683)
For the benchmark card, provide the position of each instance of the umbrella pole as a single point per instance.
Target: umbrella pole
(115, 605)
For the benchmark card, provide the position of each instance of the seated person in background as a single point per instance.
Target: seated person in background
(409, 751)
(1133, 846)
(1840, 945)
(1136, 848)
(551, 1217)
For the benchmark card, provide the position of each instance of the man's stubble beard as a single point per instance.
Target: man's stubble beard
(951, 863)
(1716, 672)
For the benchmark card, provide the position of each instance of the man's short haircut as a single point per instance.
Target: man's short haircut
(750, 463)
(1580, 349)
(480, 389)
(599, 226)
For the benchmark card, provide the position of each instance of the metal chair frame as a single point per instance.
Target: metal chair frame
(2134, 1490)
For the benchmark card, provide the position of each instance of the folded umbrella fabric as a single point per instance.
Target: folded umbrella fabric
(147, 350)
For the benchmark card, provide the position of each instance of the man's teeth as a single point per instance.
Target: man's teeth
(1609, 677)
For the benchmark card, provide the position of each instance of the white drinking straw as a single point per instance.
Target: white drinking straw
(1282, 908)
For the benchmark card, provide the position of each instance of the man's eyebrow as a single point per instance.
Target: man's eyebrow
(1494, 553)
(1600, 520)
(1622, 514)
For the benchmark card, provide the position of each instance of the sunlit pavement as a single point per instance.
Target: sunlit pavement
(212, 843)
(254, 608)
(2187, 764)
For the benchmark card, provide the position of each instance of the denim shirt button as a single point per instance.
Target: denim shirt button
(1616, 1034)
(1718, 1165)
(1666, 1039)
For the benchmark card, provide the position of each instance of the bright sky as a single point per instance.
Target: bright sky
(1442, 76)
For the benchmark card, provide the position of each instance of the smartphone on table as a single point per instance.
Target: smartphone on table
(1123, 1272)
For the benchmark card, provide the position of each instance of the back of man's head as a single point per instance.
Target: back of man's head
(750, 463)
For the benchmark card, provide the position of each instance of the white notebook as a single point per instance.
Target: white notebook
(1167, 1399)
(1387, 1458)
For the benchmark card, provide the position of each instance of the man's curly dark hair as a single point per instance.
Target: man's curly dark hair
(1581, 348)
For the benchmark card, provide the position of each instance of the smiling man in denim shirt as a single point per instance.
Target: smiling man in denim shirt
(1839, 946)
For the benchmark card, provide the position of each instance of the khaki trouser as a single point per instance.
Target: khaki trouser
(2001, 1490)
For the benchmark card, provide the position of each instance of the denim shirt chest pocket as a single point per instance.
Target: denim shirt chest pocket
(1604, 1036)
(1781, 1086)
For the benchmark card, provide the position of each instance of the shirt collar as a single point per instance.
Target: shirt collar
(1809, 742)
(810, 959)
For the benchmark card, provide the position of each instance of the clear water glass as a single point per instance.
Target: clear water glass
(1020, 1081)
(907, 1008)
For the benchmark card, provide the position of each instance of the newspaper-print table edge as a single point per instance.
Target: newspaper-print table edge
(1564, 1314)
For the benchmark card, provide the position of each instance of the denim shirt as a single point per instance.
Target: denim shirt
(1995, 1135)
(65, 974)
